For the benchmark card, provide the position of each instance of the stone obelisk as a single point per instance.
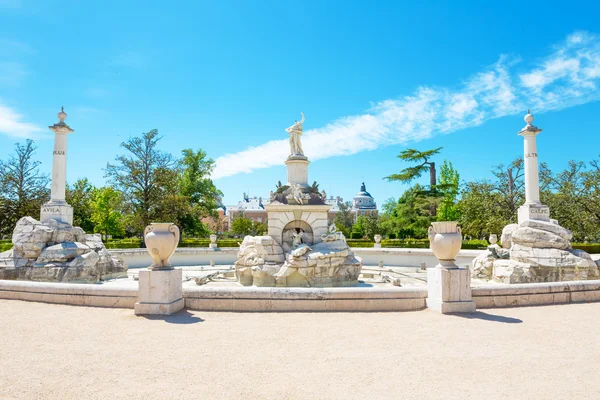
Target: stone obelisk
(533, 208)
(57, 208)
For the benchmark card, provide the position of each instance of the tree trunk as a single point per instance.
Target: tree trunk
(432, 185)
(432, 176)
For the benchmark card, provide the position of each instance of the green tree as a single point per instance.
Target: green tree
(80, 197)
(242, 226)
(344, 218)
(23, 188)
(424, 164)
(367, 225)
(198, 190)
(105, 212)
(147, 177)
(574, 198)
(449, 188)
(422, 158)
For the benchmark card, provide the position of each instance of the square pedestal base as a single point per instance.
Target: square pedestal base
(449, 290)
(538, 212)
(451, 306)
(59, 212)
(160, 292)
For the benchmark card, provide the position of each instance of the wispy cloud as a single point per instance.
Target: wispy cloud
(12, 124)
(567, 77)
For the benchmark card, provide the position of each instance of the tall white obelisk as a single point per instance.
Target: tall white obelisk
(533, 208)
(57, 208)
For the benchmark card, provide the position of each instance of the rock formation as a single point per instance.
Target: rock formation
(57, 252)
(539, 251)
(262, 262)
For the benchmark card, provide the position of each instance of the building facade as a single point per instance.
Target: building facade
(253, 208)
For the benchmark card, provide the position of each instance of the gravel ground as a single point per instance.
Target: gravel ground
(65, 352)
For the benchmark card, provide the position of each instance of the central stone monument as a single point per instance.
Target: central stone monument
(300, 250)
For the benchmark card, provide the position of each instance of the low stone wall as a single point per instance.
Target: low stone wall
(391, 257)
(529, 294)
(246, 299)
(69, 293)
(304, 299)
(397, 257)
(183, 257)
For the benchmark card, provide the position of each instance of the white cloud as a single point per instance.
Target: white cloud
(567, 77)
(11, 124)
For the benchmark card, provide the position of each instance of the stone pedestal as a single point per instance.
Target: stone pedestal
(449, 290)
(61, 212)
(160, 292)
(538, 212)
(297, 170)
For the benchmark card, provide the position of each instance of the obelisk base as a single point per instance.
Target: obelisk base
(538, 212)
(61, 212)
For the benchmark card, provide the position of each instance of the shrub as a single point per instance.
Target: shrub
(392, 236)
(356, 235)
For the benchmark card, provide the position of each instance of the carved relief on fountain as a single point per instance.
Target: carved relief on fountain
(295, 233)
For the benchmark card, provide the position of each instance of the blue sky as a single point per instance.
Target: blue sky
(372, 78)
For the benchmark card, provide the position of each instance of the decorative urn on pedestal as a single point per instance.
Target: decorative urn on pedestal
(377, 244)
(161, 240)
(445, 240)
(160, 286)
(448, 286)
(213, 241)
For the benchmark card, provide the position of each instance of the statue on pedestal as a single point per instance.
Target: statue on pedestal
(295, 131)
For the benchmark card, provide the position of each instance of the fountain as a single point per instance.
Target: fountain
(300, 250)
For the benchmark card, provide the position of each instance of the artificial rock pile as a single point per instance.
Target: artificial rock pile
(56, 252)
(262, 262)
(534, 251)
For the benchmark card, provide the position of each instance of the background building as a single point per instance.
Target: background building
(253, 208)
(363, 203)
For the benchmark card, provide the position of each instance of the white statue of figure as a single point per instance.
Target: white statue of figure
(332, 228)
(297, 192)
(295, 132)
(297, 238)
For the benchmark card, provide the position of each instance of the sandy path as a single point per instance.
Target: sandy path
(65, 352)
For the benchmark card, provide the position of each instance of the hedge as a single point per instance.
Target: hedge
(134, 243)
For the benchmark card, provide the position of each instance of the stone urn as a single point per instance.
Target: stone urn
(445, 240)
(161, 240)
(213, 241)
(493, 239)
(377, 244)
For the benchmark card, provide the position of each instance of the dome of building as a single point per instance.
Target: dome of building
(363, 199)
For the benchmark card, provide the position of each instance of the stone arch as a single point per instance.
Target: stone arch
(291, 227)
